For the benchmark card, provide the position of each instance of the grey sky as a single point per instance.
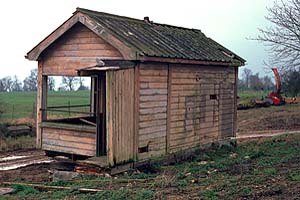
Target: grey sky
(25, 23)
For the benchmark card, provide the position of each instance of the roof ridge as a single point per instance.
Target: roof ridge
(93, 12)
(179, 27)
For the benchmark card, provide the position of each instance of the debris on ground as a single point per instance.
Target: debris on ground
(6, 191)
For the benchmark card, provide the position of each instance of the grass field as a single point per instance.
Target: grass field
(23, 104)
(268, 170)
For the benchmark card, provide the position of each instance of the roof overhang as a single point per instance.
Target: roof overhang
(105, 65)
(234, 63)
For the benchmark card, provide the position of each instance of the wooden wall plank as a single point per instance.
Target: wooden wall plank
(122, 110)
(153, 100)
(195, 117)
(69, 141)
(77, 48)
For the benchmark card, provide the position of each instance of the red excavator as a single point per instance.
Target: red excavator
(274, 98)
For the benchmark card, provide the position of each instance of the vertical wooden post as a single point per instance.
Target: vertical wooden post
(110, 84)
(235, 101)
(42, 92)
(92, 95)
(136, 111)
(98, 120)
(169, 108)
(103, 118)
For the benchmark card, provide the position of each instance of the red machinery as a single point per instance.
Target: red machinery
(274, 98)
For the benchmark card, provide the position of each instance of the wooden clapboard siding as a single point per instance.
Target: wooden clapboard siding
(77, 48)
(228, 109)
(120, 108)
(69, 141)
(153, 102)
(194, 118)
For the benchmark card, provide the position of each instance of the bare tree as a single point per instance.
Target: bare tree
(283, 37)
(16, 84)
(81, 85)
(267, 83)
(70, 82)
(291, 82)
(30, 82)
(7, 84)
(2, 86)
(246, 75)
(51, 83)
(255, 82)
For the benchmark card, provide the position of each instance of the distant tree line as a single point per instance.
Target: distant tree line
(251, 81)
(13, 84)
(290, 81)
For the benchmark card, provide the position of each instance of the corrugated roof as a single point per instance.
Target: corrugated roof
(161, 40)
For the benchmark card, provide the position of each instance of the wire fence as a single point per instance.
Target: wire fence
(19, 111)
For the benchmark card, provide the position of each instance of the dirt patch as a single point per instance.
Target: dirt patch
(34, 173)
(284, 118)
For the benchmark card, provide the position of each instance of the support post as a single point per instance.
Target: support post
(136, 111)
(93, 95)
(236, 72)
(169, 108)
(42, 92)
(98, 118)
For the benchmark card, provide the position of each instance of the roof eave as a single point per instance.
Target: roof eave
(145, 58)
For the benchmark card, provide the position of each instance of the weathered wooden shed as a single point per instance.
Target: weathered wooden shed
(156, 89)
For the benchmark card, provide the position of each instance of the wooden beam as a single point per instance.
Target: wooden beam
(110, 86)
(169, 108)
(128, 52)
(44, 97)
(42, 91)
(38, 49)
(87, 122)
(49, 187)
(98, 118)
(136, 111)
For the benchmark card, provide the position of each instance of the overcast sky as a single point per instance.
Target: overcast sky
(26, 23)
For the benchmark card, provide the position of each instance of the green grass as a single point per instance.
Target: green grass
(269, 169)
(17, 105)
(246, 96)
(22, 104)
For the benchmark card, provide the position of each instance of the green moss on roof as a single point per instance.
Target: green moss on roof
(162, 40)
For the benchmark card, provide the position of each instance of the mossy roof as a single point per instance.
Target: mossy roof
(161, 40)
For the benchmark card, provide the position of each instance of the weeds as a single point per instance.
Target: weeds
(249, 171)
(16, 143)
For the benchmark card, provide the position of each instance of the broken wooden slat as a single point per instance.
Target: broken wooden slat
(50, 187)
